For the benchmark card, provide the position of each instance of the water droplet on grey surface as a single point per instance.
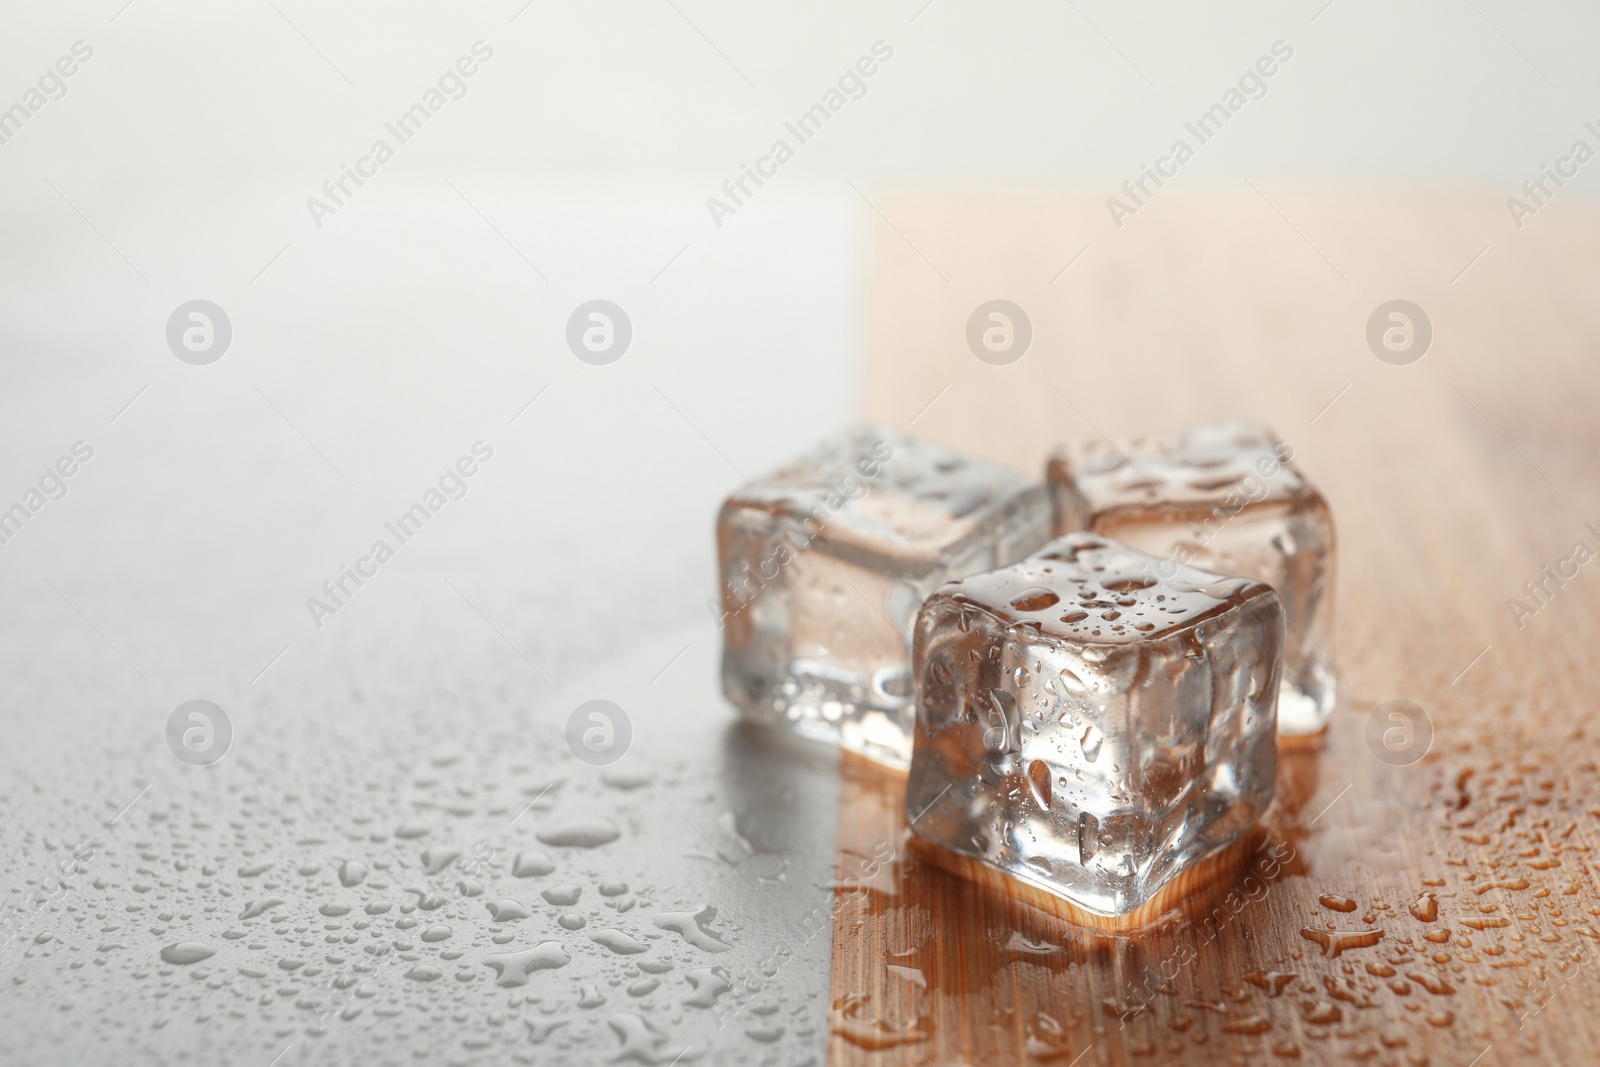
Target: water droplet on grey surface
(436, 933)
(424, 972)
(691, 926)
(352, 872)
(584, 833)
(562, 895)
(438, 858)
(263, 904)
(532, 864)
(187, 952)
(411, 831)
(254, 869)
(618, 942)
(626, 779)
(539, 1030)
(613, 889)
(709, 983)
(641, 1042)
(334, 909)
(571, 920)
(590, 997)
(506, 909)
(428, 900)
(513, 968)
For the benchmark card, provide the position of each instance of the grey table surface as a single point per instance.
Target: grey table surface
(426, 717)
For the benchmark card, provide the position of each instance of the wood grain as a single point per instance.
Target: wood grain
(1453, 481)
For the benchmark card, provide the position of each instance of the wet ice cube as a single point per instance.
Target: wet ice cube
(1093, 727)
(1225, 497)
(825, 563)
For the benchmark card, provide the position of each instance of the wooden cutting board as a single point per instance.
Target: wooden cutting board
(1443, 912)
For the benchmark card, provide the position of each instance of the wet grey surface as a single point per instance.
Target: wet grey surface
(344, 887)
(399, 860)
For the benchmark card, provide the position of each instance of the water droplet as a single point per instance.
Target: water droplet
(1039, 783)
(1335, 942)
(1090, 742)
(618, 942)
(506, 910)
(1037, 598)
(585, 833)
(437, 859)
(513, 968)
(691, 926)
(257, 907)
(855, 1019)
(619, 778)
(1425, 908)
(709, 983)
(1022, 946)
(1250, 1024)
(1272, 982)
(187, 952)
(532, 864)
(1432, 983)
(1088, 836)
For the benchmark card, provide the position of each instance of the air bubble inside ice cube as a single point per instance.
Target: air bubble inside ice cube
(825, 563)
(1152, 698)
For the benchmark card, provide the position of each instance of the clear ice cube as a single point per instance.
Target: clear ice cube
(1091, 726)
(825, 563)
(1225, 497)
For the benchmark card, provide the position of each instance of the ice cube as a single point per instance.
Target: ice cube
(1225, 497)
(825, 563)
(1091, 726)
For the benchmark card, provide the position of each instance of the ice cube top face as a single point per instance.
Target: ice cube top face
(1225, 497)
(825, 562)
(1091, 725)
